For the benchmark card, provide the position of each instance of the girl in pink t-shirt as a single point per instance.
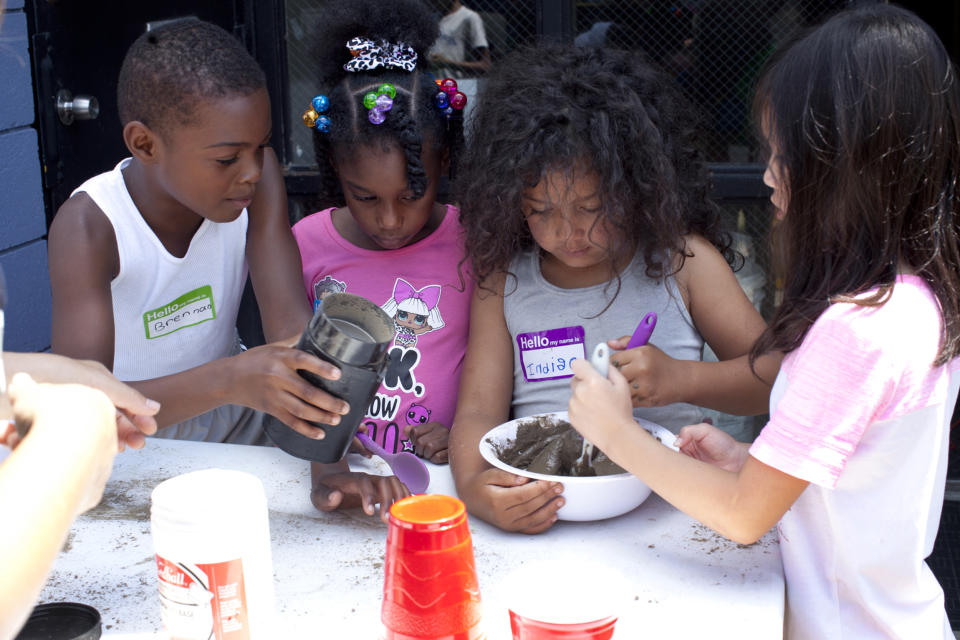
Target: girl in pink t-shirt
(384, 133)
(862, 117)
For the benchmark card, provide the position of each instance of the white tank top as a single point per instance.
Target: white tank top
(169, 314)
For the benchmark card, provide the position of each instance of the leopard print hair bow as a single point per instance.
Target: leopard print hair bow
(369, 55)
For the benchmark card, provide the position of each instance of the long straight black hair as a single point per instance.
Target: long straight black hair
(864, 116)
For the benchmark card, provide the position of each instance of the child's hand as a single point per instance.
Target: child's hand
(74, 425)
(653, 376)
(351, 489)
(512, 502)
(265, 378)
(135, 413)
(707, 443)
(430, 441)
(598, 406)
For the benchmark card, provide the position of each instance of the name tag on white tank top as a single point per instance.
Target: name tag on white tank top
(189, 309)
(547, 355)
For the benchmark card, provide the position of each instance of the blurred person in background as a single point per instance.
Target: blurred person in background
(461, 51)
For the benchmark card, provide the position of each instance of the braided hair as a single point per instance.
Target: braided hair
(411, 121)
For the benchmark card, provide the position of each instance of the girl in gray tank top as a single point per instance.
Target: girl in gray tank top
(584, 206)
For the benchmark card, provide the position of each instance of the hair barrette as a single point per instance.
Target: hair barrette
(369, 55)
(449, 98)
(312, 117)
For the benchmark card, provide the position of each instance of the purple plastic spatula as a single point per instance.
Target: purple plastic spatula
(641, 334)
(406, 466)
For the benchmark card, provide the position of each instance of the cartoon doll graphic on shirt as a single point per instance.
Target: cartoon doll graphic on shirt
(414, 311)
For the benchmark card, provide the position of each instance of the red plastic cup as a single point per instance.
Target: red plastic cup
(565, 596)
(530, 629)
(430, 589)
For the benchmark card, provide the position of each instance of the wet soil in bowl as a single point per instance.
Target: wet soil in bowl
(548, 445)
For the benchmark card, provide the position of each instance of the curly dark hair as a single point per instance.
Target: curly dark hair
(169, 70)
(553, 107)
(864, 113)
(414, 116)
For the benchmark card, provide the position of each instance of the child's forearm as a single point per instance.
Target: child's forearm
(274, 259)
(464, 453)
(189, 393)
(731, 386)
(44, 484)
(741, 506)
(40, 499)
(285, 327)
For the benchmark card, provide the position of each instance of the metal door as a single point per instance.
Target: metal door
(77, 48)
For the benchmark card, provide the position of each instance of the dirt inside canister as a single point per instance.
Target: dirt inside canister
(551, 446)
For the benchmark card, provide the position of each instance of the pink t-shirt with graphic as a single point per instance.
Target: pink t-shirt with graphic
(418, 286)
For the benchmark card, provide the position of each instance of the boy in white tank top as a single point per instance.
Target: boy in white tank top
(148, 261)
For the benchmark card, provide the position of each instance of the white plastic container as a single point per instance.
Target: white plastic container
(212, 541)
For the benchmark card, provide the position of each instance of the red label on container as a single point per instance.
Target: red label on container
(203, 601)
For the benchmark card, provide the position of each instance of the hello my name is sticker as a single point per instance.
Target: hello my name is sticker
(547, 355)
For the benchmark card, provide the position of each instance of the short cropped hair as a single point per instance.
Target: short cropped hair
(168, 71)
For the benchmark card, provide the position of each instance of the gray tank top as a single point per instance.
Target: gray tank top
(531, 305)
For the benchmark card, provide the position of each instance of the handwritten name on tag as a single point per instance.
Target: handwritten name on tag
(189, 309)
(546, 355)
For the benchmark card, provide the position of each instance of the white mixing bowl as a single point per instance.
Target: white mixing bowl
(587, 498)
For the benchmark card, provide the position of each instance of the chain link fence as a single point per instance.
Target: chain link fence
(713, 48)
(302, 16)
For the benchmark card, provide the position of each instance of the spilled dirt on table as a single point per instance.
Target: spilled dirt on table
(125, 500)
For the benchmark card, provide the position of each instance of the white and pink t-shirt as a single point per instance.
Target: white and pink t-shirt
(858, 411)
(420, 288)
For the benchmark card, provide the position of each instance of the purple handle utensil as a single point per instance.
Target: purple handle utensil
(643, 331)
(406, 466)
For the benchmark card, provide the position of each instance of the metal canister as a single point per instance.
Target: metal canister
(353, 334)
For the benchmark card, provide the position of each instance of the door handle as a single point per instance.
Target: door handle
(79, 107)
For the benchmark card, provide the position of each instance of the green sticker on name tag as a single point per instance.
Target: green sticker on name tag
(189, 309)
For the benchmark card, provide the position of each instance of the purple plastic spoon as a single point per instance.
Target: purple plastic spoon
(406, 466)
